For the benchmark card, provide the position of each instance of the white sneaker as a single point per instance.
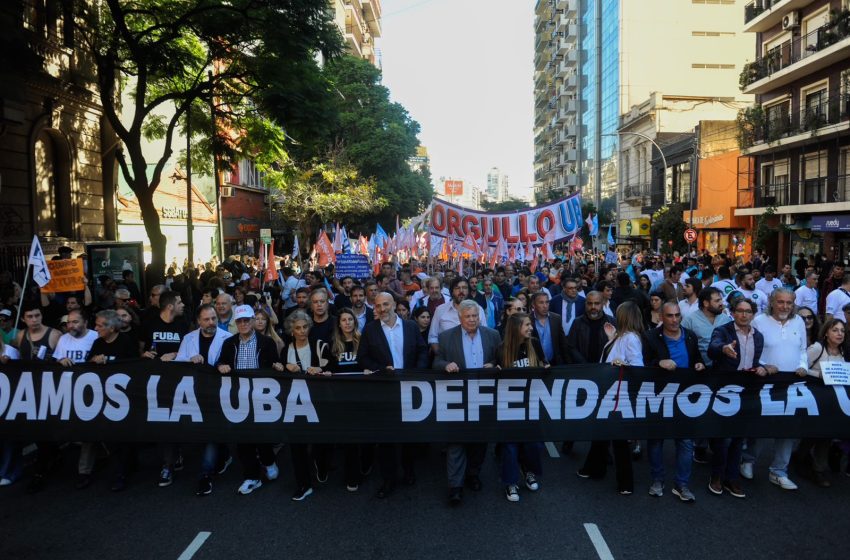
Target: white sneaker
(747, 470)
(249, 486)
(512, 492)
(5, 482)
(272, 472)
(782, 481)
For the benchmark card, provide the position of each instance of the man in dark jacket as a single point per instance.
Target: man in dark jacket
(587, 337)
(624, 291)
(568, 304)
(250, 350)
(670, 346)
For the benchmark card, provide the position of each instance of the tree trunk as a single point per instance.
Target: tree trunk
(156, 268)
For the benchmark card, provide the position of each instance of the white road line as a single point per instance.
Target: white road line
(553, 451)
(598, 542)
(195, 545)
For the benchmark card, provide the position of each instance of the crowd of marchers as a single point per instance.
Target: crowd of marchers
(694, 312)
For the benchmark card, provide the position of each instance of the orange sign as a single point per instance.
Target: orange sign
(454, 188)
(66, 275)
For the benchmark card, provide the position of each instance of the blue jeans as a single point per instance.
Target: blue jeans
(684, 459)
(528, 453)
(782, 449)
(11, 462)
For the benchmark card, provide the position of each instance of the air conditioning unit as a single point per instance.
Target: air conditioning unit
(791, 20)
(227, 192)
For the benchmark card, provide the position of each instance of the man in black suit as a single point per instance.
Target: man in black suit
(387, 345)
(466, 346)
(548, 329)
(568, 304)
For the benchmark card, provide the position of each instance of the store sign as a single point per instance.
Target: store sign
(175, 213)
(636, 227)
(831, 223)
(240, 228)
(708, 220)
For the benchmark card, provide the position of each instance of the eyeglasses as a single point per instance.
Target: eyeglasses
(743, 310)
(808, 317)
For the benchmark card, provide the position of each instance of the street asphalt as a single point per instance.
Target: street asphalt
(568, 518)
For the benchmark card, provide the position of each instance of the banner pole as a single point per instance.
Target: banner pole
(21, 301)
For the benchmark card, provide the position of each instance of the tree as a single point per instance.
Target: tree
(507, 205)
(378, 136)
(668, 225)
(176, 56)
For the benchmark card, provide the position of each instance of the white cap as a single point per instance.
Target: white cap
(245, 276)
(243, 312)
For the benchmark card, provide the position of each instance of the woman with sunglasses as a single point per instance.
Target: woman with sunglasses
(512, 307)
(812, 324)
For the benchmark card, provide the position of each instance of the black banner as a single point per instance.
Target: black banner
(153, 401)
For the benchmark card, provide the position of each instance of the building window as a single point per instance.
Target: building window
(677, 183)
(52, 186)
(813, 185)
(814, 105)
(250, 176)
(713, 66)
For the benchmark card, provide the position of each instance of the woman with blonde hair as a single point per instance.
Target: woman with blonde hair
(521, 350)
(263, 325)
(623, 349)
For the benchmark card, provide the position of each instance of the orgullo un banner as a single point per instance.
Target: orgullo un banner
(561, 217)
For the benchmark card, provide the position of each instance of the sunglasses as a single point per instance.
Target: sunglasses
(808, 317)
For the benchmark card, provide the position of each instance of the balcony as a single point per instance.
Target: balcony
(762, 132)
(799, 57)
(636, 193)
(822, 194)
(571, 58)
(761, 15)
(372, 15)
(570, 9)
(571, 83)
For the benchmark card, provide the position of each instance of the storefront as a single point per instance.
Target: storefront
(719, 231)
(829, 234)
(170, 202)
(634, 233)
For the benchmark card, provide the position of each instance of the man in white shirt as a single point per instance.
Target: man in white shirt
(807, 295)
(725, 283)
(447, 315)
(747, 286)
(784, 350)
(837, 299)
(289, 283)
(770, 282)
(74, 346)
(690, 291)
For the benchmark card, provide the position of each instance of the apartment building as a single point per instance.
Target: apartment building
(359, 21)
(797, 134)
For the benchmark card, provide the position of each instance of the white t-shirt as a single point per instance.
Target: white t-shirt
(767, 286)
(686, 308)
(75, 349)
(758, 297)
(807, 297)
(726, 287)
(835, 302)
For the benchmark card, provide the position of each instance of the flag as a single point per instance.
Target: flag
(610, 237)
(337, 244)
(512, 253)
(364, 246)
(271, 270)
(530, 253)
(520, 252)
(262, 258)
(469, 245)
(381, 237)
(592, 222)
(296, 250)
(40, 272)
(502, 249)
(324, 249)
(346, 242)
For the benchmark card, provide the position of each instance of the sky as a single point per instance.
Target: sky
(464, 70)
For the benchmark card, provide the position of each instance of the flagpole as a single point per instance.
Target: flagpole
(21, 302)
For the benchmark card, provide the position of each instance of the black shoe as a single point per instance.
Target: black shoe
(567, 447)
(204, 486)
(637, 451)
(473, 483)
(701, 455)
(584, 473)
(178, 464)
(36, 484)
(455, 496)
(409, 478)
(365, 470)
(224, 464)
(321, 473)
(119, 484)
(385, 490)
(301, 494)
(83, 481)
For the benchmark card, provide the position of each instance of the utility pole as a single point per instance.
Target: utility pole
(694, 178)
(216, 177)
(190, 236)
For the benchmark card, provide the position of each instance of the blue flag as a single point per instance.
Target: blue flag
(346, 242)
(610, 237)
(381, 236)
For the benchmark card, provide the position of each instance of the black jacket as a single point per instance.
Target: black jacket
(374, 350)
(560, 350)
(579, 339)
(726, 334)
(266, 351)
(655, 349)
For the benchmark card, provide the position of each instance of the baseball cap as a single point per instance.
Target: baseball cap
(5, 313)
(63, 320)
(243, 312)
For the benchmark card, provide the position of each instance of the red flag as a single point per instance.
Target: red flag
(529, 250)
(271, 269)
(469, 245)
(512, 253)
(337, 244)
(324, 249)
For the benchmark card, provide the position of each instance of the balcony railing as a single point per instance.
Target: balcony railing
(806, 191)
(758, 127)
(636, 191)
(794, 50)
(756, 8)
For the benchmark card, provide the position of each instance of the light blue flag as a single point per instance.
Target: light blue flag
(610, 237)
(381, 236)
(346, 242)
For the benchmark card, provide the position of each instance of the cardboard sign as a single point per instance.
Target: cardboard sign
(66, 275)
(835, 373)
(356, 266)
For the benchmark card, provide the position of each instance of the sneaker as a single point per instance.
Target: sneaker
(657, 489)
(531, 482)
(747, 470)
(5, 482)
(321, 474)
(684, 493)
(637, 452)
(301, 494)
(625, 492)
(352, 487)
(204, 486)
(249, 486)
(734, 489)
(701, 455)
(512, 493)
(782, 481)
(715, 486)
(165, 477)
(178, 464)
(581, 473)
(225, 464)
(272, 472)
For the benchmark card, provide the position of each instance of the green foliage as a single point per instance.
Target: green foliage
(750, 122)
(764, 232)
(668, 225)
(504, 206)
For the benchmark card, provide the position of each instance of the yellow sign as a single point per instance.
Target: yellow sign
(636, 227)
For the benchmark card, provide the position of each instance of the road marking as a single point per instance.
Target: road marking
(598, 542)
(195, 545)
(553, 451)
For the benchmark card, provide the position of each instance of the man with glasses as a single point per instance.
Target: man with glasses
(670, 346)
(568, 304)
(735, 346)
